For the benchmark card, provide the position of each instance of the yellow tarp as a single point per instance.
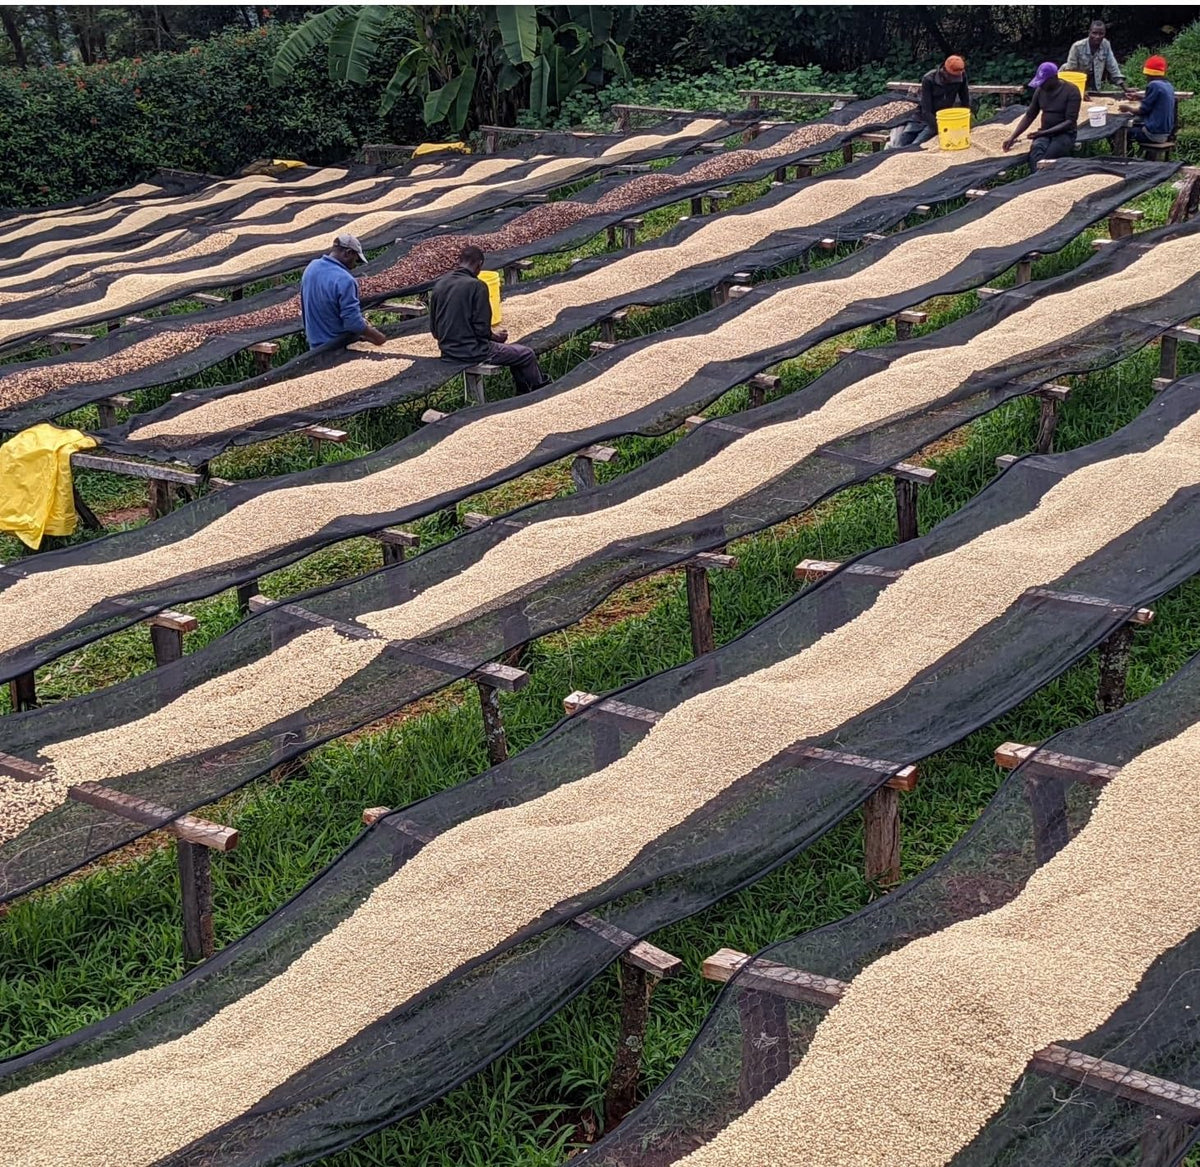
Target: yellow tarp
(436, 147)
(35, 482)
(287, 163)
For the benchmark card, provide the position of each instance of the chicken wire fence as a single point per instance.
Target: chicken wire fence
(185, 344)
(272, 244)
(1044, 1120)
(205, 439)
(866, 449)
(416, 1048)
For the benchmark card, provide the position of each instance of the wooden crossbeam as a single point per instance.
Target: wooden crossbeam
(398, 308)
(188, 827)
(814, 569)
(1054, 1061)
(20, 769)
(1010, 755)
(903, 779)
(86, 461)
(649, 958)
(505, 677)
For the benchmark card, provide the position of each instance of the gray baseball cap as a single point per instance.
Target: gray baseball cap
(350, 243)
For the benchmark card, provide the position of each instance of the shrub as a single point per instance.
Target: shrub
(73, 130)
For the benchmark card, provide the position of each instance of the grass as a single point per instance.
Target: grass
(76, 952)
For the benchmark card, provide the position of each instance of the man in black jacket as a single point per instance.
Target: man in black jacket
(460, 318)
(941, 88)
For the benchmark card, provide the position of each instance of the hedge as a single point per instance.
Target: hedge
(73, 130)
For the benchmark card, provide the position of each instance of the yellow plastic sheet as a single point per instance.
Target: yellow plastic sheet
(35, 482)
(437, 147)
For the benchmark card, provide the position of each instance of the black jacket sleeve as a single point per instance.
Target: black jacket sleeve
(481, 311)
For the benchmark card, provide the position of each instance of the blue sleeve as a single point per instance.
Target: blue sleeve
(349, 305)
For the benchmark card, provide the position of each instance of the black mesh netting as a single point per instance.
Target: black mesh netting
(134, 222)
(170, 184)
(412, 265)
(209, 436)
(433, 1040)
(1046, 1120)
(859, 454)
(273, 243)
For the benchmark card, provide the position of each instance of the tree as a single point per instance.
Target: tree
(470, 63)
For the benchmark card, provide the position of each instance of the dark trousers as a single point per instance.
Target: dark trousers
(1058, 146)
(915, 133)
(523, 362)
(1139, 133)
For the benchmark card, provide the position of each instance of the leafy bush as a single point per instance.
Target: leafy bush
(718, 87)
(69, 131)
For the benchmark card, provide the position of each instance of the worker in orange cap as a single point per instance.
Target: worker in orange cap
(941, 88)
(1155, 120)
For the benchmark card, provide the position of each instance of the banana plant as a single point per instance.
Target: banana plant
(469, 63)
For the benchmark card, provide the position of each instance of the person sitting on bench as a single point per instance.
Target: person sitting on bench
(941, 88)
(329, 301)
(1058, 102)
(460, 318)
(1155, 120)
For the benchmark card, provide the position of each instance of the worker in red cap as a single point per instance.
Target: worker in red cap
(941, 88)
(1155, 120)
(1058, 102)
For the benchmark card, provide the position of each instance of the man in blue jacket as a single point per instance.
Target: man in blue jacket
(329, 301)
(1155, 121)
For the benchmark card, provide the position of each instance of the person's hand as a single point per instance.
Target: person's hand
(500, 335)
(1008, 145)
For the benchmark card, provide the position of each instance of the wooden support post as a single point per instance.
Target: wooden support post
(1052, 397)
(1168, 357)
(494, 737)
(1163, 1141)
(906, 320)
(237, 293)
(90, 519)
(760, 385)
(583, 465)
(608, 326)
(877, 140)
(1114, 669)
(107, 409)
(1048, 809)
(512, 271)
(1024, 271)
(166, 635)
(195, 837)
(317, 434)
(907, 525)
(1121, 221)
(474, 382)
(848, 152)
(22, 691)
(637, 987)
(881, 835)
(263, 352)
(394, 543)
(245, 592)
(781, 175)
(700, 609)
(195, 886)
(160, 498)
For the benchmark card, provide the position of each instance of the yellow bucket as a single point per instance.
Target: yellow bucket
(492, 279)
(1079, 80)
(954, 128)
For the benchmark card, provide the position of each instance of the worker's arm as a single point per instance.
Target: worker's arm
(964, 92)
(353, 320)
(1112, 67)
(1069, 122)
(1074, 59)
(1022, 125)
(928, 114)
